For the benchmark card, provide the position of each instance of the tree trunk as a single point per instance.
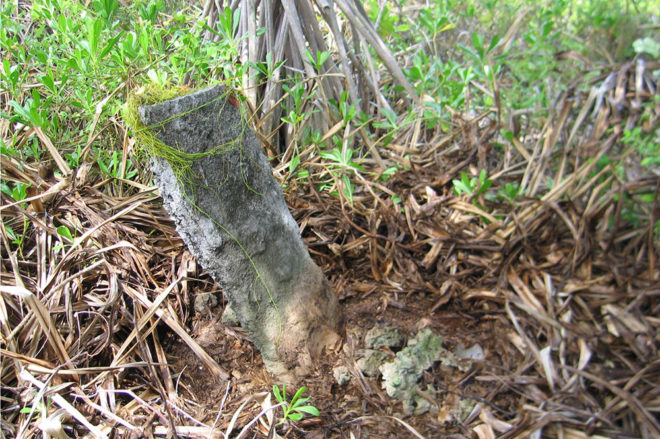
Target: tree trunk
(231, 213)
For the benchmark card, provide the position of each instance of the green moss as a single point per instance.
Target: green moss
(148, 146)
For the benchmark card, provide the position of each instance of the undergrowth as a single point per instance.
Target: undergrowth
(83, 63)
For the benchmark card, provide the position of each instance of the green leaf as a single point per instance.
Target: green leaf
(4, 187)
(298, 402)
(348, 188)
(460, 187)
(295, 417)
(102, 166)
(279, 396)
(19, 193)
(309, 409)
(62, 24)
(448, 27)
(94, 28)
(293, 164)
(237, 18)
(474, 55)
(485, 186)
(478, 43)
(111, 44)
(493, 43)
(482, 177)
(389, 172)
(298, 394)
(64, 232)
(323, 57)
(648, 198)
(390, 115)
(334, 155)
(547, 28)
(10, 234)
(22, 112)
(48, 82)
(310, 57)
(508, 135)
(647, 45)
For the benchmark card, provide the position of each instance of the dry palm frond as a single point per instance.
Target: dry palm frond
(577, 282)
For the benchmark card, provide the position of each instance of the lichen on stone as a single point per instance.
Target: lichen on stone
(342, 375)
(370, 361)
(382, 336)
(205, 301)
(401, 376)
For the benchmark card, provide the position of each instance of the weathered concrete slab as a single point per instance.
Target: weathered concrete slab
(234, 219)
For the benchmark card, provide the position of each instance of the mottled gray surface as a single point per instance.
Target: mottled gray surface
(401, 376)
(341, 375)
(235, 221)
(382, 335)
(370, 360)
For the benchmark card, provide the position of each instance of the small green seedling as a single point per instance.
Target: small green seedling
(36, 408)
(510, 192)
(472, 186)
(321, 58)
(295, 409)
(65, 233)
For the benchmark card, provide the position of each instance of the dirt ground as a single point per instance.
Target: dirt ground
(360, 407)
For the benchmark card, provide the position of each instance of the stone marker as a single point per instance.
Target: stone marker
(231, 213)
